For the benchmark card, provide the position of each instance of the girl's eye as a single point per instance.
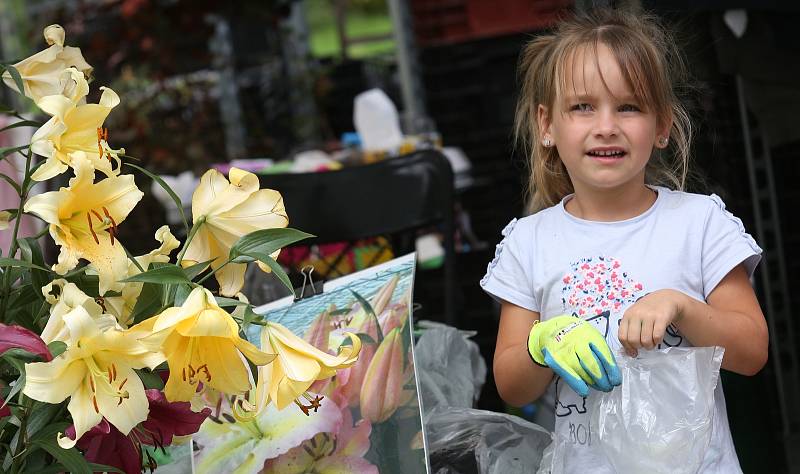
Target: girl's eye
(581, 107)
(629, 108)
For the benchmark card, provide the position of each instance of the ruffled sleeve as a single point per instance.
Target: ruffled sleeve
(726, 244)
(507, 276)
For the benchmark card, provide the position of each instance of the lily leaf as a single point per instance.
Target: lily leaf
(166, 188)
(265, 241)
(32, 253)
(277, 270)
(16, 76)
(13, 262)
(163, 274)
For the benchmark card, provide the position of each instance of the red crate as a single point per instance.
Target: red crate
(451, 21)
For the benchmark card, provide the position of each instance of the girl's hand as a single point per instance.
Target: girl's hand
(644, 324)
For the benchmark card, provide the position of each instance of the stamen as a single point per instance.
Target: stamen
(184, 374)
(89, 218)
(123, 383)
(91, 384)
(303, 408)
(113, 230)
(101, 301)
(110, 374)
(94, 402)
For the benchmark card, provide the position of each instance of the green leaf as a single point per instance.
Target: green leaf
(169, 191)
(365, 339)
(32, 253)
(72, 460)
(370, 312)
(150, 380)
(17, 78)
(265, 241)
(228, 302)
(181, 293)
(40, 416)
(149, 302)
(11, 182)
(5, 151)
(13, 262)
(56, 348)
(22, 123)
(197, 268)
(277, 270)
(19, 354)
(164, 274)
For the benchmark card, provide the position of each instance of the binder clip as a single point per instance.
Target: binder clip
(308, 282)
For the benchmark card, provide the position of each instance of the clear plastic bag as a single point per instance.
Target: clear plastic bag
(465, 441)
(663, 411)
(450, 367)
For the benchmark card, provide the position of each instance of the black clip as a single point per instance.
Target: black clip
(307, 281)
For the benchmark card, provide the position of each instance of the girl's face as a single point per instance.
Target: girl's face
(604, 136)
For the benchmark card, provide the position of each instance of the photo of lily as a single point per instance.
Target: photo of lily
(365, 418)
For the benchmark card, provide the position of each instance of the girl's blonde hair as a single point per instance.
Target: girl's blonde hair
(649, 61)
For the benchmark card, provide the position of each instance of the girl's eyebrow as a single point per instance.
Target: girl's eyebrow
(578, 98)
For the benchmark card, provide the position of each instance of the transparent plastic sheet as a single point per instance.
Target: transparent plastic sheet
(465, 440)
(450, 368)
(664, 410)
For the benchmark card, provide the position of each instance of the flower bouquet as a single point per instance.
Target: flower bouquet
(107, 357)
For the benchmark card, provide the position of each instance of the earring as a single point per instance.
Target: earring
(547, 143)
(663, 141)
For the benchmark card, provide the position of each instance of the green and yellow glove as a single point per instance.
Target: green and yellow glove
(576, 351)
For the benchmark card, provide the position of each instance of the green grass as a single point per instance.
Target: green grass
(325, 39)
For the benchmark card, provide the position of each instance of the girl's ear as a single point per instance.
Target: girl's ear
(544, 121)
(662, 137)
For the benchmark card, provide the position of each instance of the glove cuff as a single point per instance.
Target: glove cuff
(534, 348)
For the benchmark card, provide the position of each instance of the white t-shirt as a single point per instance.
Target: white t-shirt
(554, 263)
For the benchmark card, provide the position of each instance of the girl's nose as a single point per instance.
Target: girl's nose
(606, 124)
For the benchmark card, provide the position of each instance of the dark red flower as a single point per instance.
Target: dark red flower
(12, 337)
(5, 411)
(105, 444)
(170, 419)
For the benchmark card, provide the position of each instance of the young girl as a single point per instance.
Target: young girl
(614, 244)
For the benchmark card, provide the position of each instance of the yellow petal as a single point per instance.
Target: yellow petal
(54, 34)
(215, 194)
(194, 304)
(231, 278)
(177, 389)
(229, 371)
(54, 381)
(252, 353)
(133, 410)
(283, 336)
(4, 217)
(208, 322)
(84, 415)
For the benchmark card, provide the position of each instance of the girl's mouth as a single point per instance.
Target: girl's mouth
(607, 154)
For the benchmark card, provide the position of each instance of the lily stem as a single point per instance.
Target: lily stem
(215, 270)
(195, 227)
(14, 246)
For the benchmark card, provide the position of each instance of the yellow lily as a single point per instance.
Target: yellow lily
(96, 372)
(225, 211)
(202, 345)
(83, 221)
(122, 306)
(69, 298)
(297, 367)
(74, 127)
(41, 73)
